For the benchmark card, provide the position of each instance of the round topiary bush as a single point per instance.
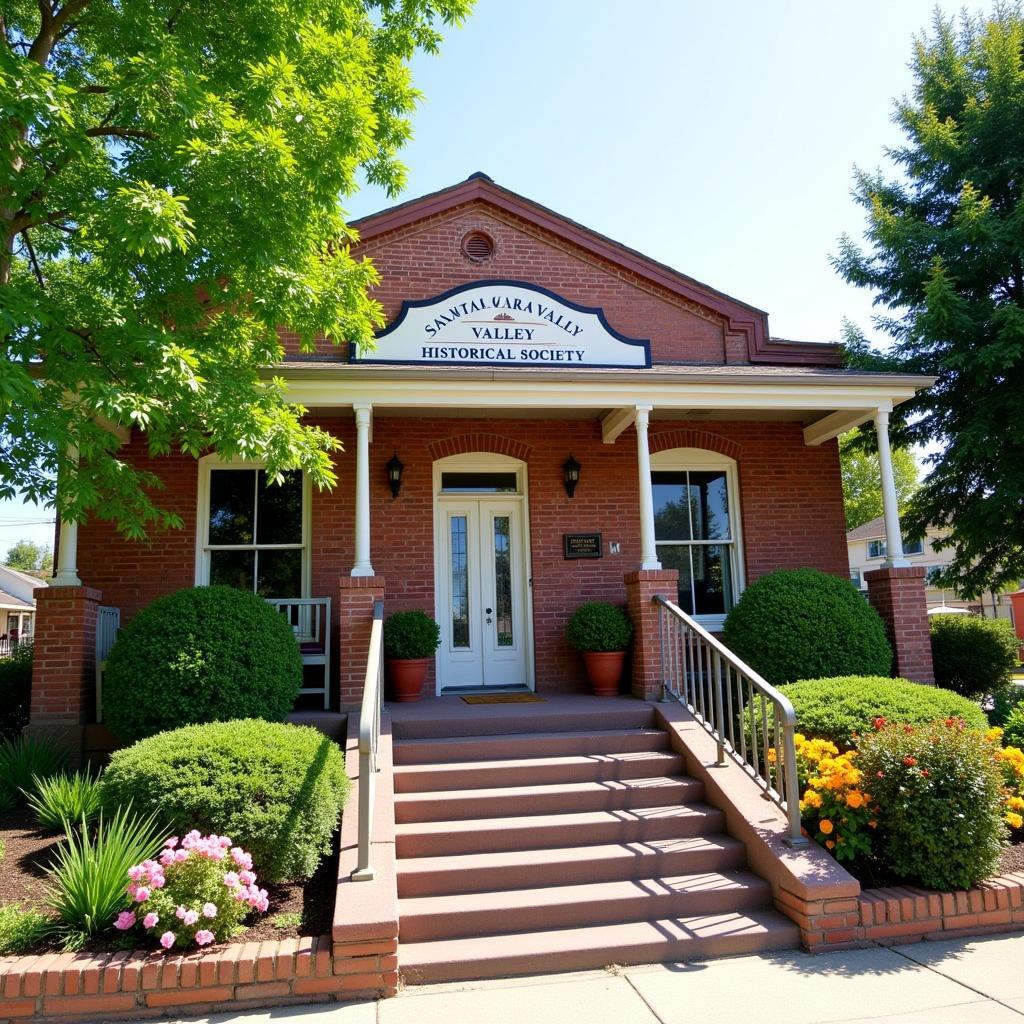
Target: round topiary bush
(937, 797)
(207, 654)
(597, 626)
(837, 709)
(410, 635)
(973, 656)
(805, 624)
(275, 789)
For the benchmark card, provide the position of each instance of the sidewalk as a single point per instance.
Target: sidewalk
(968, 981)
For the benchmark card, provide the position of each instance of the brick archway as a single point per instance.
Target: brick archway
(690, 438)
(495, 444)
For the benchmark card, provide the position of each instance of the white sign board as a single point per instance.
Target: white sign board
(504, 323)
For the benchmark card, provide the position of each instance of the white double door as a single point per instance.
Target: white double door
(482, 603)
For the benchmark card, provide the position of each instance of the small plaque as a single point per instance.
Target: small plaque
(581, 545)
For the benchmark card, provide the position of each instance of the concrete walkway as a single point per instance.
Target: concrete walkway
(968, 981)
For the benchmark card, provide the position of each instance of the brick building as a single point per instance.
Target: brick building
(519, 345)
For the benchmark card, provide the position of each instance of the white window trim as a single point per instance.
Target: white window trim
(202, 565)
(678, 460)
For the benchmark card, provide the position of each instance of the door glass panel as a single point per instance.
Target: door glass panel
(489, 483)
(460, 581)
(503, 581)
(232, 569)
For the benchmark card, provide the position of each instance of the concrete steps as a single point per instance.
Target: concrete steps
(533, 838)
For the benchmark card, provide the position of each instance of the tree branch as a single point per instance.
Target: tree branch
(120, 132)
(33, 260)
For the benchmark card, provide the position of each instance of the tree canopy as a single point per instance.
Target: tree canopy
(862, 481)
(944, 255)
(27, 556)
(171, 178)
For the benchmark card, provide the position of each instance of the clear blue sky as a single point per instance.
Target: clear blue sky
(717, 138)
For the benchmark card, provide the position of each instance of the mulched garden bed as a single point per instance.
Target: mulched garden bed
(29, 849)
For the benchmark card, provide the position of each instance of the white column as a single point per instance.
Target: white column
(893, 537)
(67, 545)
(648, 549)
(362, 565)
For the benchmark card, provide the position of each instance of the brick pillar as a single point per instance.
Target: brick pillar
(64, 665)
(641, 587)
(356, 598)
(897, 594)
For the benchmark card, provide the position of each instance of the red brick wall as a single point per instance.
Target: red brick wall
(425, 259)
(791, 505)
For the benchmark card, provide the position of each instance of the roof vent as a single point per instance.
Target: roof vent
(477, 247)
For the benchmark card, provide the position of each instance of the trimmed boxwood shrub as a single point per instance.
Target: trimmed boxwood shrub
(410, 635)
(15, 689)
(275, 789)
(836, 709)
(973, 656)
(597, 626)
(804, 624)
(206, 654)
(937, 797)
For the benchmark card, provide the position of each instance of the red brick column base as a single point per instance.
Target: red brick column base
(641, 587)
(356, 597)
(898, 596)
(64, 666)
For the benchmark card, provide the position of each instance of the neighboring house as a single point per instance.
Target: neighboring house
(867, 550)
(17, 605)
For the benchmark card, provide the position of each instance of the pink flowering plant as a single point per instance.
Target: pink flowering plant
(196, 891)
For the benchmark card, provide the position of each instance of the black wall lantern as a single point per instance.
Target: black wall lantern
(395, 468)
(571, 469)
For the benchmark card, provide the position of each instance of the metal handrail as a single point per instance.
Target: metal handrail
(752, 723)
(369, 741)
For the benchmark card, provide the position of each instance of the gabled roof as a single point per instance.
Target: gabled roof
(10, 602)
(742, 318)
(33, 581)
(870, 530)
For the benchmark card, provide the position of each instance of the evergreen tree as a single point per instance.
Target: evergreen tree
(945, 257)
(171, 173)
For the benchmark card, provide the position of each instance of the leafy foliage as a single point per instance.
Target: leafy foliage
(1013, 730)
(973, 656)
(15, 690)
(839, 709)
(862, 481)
(87, 875)
(201, 655)
(599, 626)
(27, 556)
(26, 759)
(275, 789)
(411, 635)
(22, 930)
(64, 800)
(937, 793)
(945, 257)
(804, 624)
(171, 177)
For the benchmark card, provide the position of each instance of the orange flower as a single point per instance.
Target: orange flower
(830, 844)
(826, 826)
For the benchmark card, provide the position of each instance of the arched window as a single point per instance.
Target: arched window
(697, 528)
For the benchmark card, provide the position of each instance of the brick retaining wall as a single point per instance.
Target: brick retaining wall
(906, 914)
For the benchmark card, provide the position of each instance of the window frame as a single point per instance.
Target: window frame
(209, 463)
(681, 460)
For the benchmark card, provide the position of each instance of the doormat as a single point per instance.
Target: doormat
(504, 698)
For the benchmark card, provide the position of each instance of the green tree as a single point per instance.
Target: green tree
(171, 174)
(27, 556)
(862, 483)
(945, 257)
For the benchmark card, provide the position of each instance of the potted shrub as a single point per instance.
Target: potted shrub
(410, 640)
(601, 633)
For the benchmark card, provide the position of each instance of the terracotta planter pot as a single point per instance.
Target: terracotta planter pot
(604, 670)
(407, 676)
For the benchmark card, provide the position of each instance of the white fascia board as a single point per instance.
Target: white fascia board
(597, 395)
(839, 422)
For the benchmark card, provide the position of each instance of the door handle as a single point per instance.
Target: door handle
(487, 612)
